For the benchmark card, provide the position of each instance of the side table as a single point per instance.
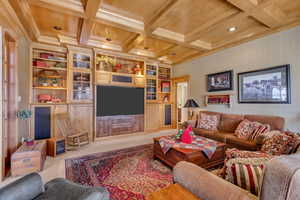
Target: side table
(172, 192)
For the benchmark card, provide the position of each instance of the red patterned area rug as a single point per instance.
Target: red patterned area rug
(128, 174)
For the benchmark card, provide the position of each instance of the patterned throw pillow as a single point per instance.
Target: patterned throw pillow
(236, 153)
(208, 122)
(258, 130)
(278, 144)
(244, 129)
(246, 173)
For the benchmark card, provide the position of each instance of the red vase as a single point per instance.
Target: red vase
(186, 137)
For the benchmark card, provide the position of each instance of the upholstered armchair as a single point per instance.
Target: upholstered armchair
(281, 181)
(30, 187)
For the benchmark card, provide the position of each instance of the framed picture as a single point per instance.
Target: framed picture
(270, 85)
(220, 81)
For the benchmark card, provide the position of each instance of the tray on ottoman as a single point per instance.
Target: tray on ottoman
(175, 155)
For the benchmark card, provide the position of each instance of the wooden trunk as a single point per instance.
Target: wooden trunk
(175, 155)
(119, 124)
(28, 159)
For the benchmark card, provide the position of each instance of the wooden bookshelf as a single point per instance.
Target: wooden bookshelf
(48, 76)
(115, 70)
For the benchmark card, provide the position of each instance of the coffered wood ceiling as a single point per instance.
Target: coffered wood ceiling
(170, 30)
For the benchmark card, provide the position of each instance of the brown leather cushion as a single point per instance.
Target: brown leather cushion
(239, 143)
(276, 123)
(203, 132)
(229, 122)
(214, 135)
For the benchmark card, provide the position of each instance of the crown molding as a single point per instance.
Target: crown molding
(49, 40)
(103, 45)
(119, 19)
(169, 34)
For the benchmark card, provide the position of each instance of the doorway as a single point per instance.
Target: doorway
(9, 104)
(181, 91)
(182, 96)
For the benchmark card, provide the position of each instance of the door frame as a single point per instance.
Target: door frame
(175, 81)
(8, 44)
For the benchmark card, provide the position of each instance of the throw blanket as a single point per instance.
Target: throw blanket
(207, 146)
(280, 181)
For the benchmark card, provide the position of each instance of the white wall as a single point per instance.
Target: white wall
(277, 49)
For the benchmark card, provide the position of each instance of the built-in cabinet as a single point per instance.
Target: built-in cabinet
(63, 80)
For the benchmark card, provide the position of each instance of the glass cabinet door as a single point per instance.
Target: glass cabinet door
(82, 89)
(81, 61)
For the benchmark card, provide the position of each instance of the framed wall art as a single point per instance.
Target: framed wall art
(270, 85)
(221, 81)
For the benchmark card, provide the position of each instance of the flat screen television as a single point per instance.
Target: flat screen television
(114, 100)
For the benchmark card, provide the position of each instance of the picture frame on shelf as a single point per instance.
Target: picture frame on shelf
(265, 86)
(222, 81)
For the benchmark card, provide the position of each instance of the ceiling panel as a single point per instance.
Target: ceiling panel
(178, 53)
(154, 45)
(291, 8)
(190, 14)
(46, 20)
(116, 35)
(221, 32)
(138, 9)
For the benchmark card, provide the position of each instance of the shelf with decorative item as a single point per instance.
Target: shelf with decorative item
(50, 59)
(219, 99)
(119, 65)
(50, 68)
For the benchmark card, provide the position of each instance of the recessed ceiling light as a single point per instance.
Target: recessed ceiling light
(232, 29)
(57, 28)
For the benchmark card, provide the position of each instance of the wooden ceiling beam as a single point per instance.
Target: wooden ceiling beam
(87, 23)
(131, 42)
(257, 11)
(60, 6)
(150, 24)
(23, 12)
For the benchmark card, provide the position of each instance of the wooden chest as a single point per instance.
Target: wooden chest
(28, 159)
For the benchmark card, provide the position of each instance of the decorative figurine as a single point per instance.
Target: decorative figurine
(186, 137)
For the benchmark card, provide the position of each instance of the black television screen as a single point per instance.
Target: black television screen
(113, 100)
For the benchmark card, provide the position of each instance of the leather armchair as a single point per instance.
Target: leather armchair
(30, 187)
(281, 181)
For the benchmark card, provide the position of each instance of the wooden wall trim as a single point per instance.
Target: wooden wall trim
(1, 109)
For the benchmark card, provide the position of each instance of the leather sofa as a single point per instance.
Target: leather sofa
(228, 124)
(31, 187)
(281, 181)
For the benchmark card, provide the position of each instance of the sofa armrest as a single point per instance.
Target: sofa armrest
(64, 189)
(25, 188)
(206, 185)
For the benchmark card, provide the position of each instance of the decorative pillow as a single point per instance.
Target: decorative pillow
(236, 153)
(278, 144)
(208, 122)
(294, 143)
(258, 130)
(246, 173)
(244, 129)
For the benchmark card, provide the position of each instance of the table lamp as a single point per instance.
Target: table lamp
(190, 104)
